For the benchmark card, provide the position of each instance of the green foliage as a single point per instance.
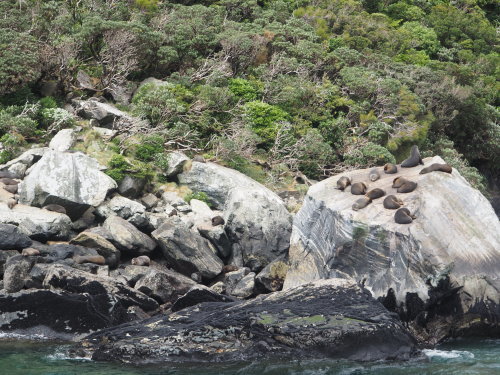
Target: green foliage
(118, 167)
(199, 195)
(244, 89)
(47, 102)
(11, 143)
(264, 118)
(149, 148)
(368, 154)
(20, 124)
(56, 118)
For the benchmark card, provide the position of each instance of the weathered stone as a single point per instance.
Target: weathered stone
(272, 277)
(58, 314)
(455, 233)
(198, 294)
(105, 114)
(127, 237)
(4, 256)
(165, 286)
(329, 318)
(171, 198)
(84, 81)
(149, 201)
(217, 236)
(37, 223)
(13, 239)
(176, 162)
(122, 207)
(231, 279)
(15, 275)
(19, 165)
(187, 251)
(101, 245)
(131, 187)
(63, 140)
(245, 287)
(72, 180)
(75, 281)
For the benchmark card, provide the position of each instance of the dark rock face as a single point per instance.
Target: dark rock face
(12, 239)
(58, 314)
(131, 187)
(199, 294)
(329, 318)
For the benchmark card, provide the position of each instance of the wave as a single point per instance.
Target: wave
(63, 356)
(447, 354)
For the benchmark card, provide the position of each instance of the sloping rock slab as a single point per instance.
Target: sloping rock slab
(12, 239)
(198, 294)
(72, 180)
(58, 314)
(75, 281)
(339, 320)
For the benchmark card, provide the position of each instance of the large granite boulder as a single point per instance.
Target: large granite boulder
(332, 318)
(187, 251)
(257, 221)
(127, 209)
(58, 314)
(76, 281)
(455, 234)
(11, 238)
(100, 244)
(127, 237)
(63, 140)
(105, 114)
(72, 180)
(36, 223)
(18, 166)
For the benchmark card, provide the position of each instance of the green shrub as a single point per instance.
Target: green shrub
(263, 119)
(201, 196)
(245, 89)
(11, 143)
(16, 124)
(48, 102)
(369, 154)
(118, 167)
(57, 118)
(149, 148)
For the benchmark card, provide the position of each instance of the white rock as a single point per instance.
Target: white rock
(63, 140)
(176, 162)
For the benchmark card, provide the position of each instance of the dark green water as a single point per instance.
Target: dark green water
(471, 357)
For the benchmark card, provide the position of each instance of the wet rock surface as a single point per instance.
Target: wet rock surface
(338, 320)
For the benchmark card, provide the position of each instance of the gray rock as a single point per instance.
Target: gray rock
(63, 140)
(15, 275)
(12, 239)
(231, 279)
(171, 198)
(245, 287)
(164, 286)
(120, 206)
(187, 251)
(338, 321)
(19, 165)
(149, 201)
(176, 162)
(131, 187)
(127, 237)
(75, 281)
(101, 245)
(84, 81)
(122, 93)
(104, 132)
(272, 277)
(217, 236)
(199, 294)
(37, 223)
(4, 256)
(105, 114)
(72, 180)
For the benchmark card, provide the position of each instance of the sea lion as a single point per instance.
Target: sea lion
(55, 208)
(375, 193)
(96, 259)
(229, 268)
(29, 251)
(9, 181)
(403, 185)
(414, 158)
(392, 202)
(358, 188)
(343, 182)
(142, 260)
(374, 175)
(199, 159)
(436, 167)
(7, 174)
(11, 188)
(11, 203)
(403, 216)
(217, 220)
(361, 203)
(390, 168)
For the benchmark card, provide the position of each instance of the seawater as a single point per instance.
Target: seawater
(460, 357)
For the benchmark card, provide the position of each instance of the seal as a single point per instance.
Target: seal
(9, 181)
(390, 168)
(55, 208)
(199, 159)
(436, 167)
(392, 202)
(403, 185)
(361, 203)
(7, 174)
(11, 203)
(142, 260)
(229, 268)
(343, 182)
(375, 193)
(403, 216)
(29, 251)
(11, 188)
(374, 175)
(414, 158)
(217, 220)
(358, 188)
(96, 259)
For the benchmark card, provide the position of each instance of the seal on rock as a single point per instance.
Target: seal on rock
(403, 216)
(11, 188)
(358, 188)
(29, 251)
(6, 174)
(343, 182)
(436, 167)
(142, 260)
(403, 185)
(96, 259)
(375, 193)
(374, 175)
(390, 168)
(11, 203)
(392, 202)
(55, 208)
(361, 203)
(9, 181)
(414, 158)
(217, 220)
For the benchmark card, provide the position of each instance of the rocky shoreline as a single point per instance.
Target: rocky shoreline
(134, 275)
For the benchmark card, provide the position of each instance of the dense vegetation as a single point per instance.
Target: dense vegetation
(315, 86)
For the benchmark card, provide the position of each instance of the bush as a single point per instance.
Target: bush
(57, 118)
(149, 148)
(263, 119)
(244, 89)
(118, 167)
(22, 125)
(369, 154)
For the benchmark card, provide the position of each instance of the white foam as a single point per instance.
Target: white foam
(62, 356)
(448, 354)
(9, 335)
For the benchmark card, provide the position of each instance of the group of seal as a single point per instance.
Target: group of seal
(9, 184)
